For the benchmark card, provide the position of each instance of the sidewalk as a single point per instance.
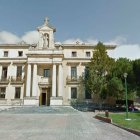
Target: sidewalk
(5, 107)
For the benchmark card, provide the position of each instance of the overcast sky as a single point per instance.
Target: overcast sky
(109, 21)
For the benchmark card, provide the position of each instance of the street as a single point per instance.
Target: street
(56, 123)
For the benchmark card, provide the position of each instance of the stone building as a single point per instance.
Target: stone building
(45, 73)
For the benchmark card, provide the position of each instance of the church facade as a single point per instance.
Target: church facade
(45, 73)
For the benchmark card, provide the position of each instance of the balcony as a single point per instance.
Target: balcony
(73, 79)
(45, 81)
(4, 80)
(17, 80)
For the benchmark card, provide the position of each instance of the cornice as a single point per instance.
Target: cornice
(19, 62)
(85, 46)
(5, 63)
(77, 59)
(73, 63)
(45, 55)
(16, 58)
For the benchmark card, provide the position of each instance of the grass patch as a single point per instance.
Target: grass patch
(119, 119)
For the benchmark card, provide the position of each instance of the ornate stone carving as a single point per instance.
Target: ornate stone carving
(45, 40)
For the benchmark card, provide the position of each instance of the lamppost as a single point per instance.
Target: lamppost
(125, 76)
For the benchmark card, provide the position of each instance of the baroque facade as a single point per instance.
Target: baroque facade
(45, 73)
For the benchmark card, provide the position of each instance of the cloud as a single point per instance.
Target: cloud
(116, 41)
(7, 38)
(87, 41)
(30, 37)
(92, 41)
(131, 51)
(72, 41)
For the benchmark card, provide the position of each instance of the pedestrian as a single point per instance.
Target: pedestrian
(132, 107)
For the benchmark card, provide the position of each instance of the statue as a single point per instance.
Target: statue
(45, 40)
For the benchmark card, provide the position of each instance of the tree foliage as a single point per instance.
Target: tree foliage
(115, 87)
(98, 69)
(136, 70)
(105, 75)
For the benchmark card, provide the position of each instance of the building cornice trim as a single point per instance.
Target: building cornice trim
(73, 63)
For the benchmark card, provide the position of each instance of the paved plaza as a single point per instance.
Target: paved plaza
(56, 123)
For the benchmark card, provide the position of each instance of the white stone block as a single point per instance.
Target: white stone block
(31, 102)
(56, 101)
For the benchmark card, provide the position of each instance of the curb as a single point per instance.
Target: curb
(108, 120)
(128, 129)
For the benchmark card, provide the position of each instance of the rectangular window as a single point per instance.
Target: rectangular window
(4, 72)
(19, 71)
(46, 72)
(73, 93)
(5, 54)
(17, 92)
(2, 92)
(73, 72)
(87, 54)
(20, 53)
(74, 54)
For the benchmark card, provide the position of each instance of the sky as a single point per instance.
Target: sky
(110, 21)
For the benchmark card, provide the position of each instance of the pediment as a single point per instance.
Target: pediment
(46, 28)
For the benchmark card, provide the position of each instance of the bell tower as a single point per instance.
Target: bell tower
(46, 37)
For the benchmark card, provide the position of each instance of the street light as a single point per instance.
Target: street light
(125, 76)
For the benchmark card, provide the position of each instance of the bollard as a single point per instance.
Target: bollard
(106, 113)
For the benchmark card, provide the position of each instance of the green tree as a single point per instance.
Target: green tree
(98, 70)
(124, 65)
(136, 70)
(115, 88)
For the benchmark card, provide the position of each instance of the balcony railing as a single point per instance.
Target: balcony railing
(45, 80)
(4, 80)
(17, 79)
(73, 79)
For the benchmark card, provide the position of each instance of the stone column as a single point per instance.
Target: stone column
(54, 81)
(34, 86)
(28, 83)
(60, 81)
(0, 71)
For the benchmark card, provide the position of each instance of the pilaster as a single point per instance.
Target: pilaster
(34, 86)
(60, 80)
(28, 83)
(54, 81)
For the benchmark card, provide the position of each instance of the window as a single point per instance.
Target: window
(5, 54)
(20, 53)
(2, 92)
(87, 54)
(19, 71)
(46, 72)
(4, 72)
(73, 72)
(74, 54)
(17, 92)
(73, 93)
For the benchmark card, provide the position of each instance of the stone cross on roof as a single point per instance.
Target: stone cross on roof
(46, 21)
